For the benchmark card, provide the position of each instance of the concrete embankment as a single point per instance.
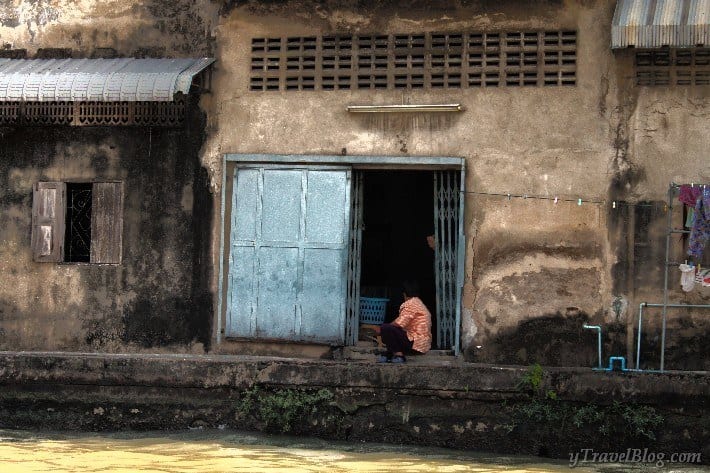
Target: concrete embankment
(533, 410)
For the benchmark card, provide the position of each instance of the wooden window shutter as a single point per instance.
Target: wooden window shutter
(48, 209)
(106, 222)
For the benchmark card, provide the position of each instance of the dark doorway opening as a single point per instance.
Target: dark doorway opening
(398, 216)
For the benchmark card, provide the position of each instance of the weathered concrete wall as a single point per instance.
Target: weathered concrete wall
(659, 139)
(603, 140)
(551, 141)
(513, 410)
(151, 28)
(158, 296)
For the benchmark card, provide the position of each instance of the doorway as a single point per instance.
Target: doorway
(408, 226)
(398, 216)
(294, 256)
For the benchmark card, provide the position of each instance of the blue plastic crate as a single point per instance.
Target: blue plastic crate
(372, 310)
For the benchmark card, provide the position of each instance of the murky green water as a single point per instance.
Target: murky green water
(221, 451)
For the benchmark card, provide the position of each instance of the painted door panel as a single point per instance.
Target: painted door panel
(322, 293)
(245, 208)
(281, 213)
(325, 203)
(241, 284)
(277, 278)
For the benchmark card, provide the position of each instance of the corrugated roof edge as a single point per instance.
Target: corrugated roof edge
(650, 24)
(109, 80)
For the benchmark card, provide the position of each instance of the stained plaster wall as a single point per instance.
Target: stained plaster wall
(527, 261)
(535, 270)
(173, 28)
(666, 141)
(159, 298)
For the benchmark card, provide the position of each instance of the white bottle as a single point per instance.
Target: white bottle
(687, 277)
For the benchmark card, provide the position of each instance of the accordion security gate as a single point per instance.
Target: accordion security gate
(354, 261)
(448, 225)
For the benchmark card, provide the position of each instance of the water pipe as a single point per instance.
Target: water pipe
(599, 340)
(612, 359)
(638, 341)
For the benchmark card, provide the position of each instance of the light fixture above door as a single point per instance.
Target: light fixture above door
(409, 108)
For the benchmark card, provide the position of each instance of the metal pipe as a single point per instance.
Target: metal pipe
(646, 304)
(671, 189)
(675, 306)
(599, 340)
(638, 338)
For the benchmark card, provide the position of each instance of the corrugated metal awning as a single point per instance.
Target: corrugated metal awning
(658, 23)
(97, 80)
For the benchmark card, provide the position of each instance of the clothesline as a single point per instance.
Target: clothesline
(578, 200)
(692, 184)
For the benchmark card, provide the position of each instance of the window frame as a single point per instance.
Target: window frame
(49, 208)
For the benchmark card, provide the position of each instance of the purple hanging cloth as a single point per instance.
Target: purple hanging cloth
(700, 233)
(689, 194)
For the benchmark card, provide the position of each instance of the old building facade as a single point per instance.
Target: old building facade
(542, 171)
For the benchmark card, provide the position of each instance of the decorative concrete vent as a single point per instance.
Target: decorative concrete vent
(414, 61)
(673, 67)
(167, 114)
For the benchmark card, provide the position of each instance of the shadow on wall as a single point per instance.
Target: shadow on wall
(200, 321)
(147, 323)
(158, 322)
(6, 311)
(687, 348)
(551, 340)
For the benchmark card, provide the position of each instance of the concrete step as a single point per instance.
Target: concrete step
(366, 351)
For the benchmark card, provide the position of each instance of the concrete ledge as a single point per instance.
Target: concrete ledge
(241, 372)
(452, 404)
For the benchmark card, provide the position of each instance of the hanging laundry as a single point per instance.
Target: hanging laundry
(689, 194)
(700, 233)
(702, 276)
(690, 218)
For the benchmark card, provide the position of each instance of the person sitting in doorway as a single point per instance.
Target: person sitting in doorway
(410, 333)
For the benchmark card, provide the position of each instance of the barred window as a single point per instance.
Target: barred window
(414, 61)
(77, 222)
(673, 67)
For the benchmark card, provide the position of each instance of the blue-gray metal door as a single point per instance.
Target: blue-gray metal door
(288, 253)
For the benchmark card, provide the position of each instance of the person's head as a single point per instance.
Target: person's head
(410, 289)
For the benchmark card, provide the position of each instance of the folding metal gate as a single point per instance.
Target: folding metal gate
(354, 262)
(448, 225)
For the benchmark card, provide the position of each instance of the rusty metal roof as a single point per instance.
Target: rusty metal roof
(97, 80)
(659, 23)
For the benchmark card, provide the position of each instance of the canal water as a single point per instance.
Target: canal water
(223, 451)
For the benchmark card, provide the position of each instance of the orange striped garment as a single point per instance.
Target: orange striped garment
(415, 319)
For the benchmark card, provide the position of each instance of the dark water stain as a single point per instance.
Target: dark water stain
(166, 301)
(551, 340)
